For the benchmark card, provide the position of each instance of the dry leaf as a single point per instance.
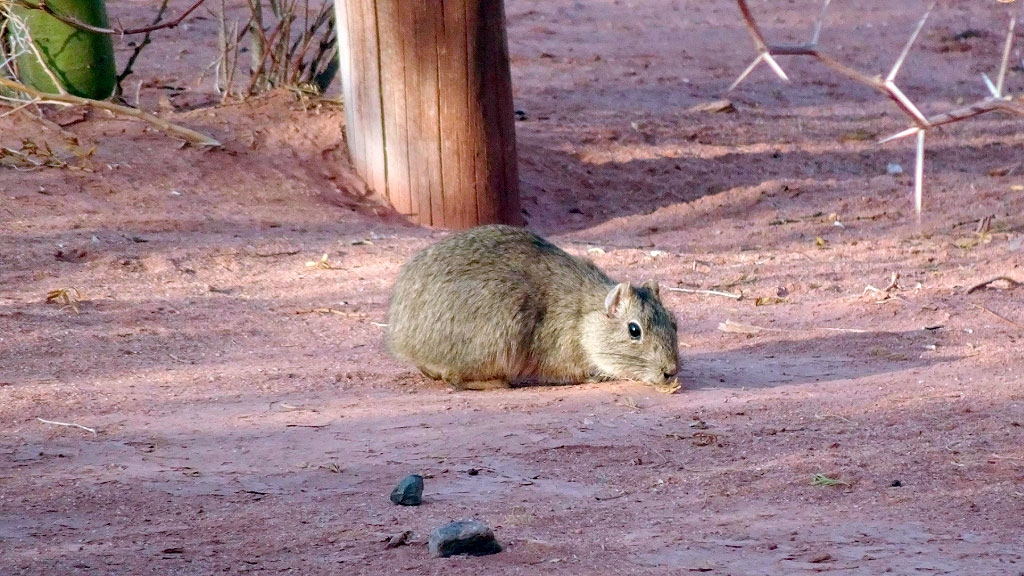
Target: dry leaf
(966, 243)
(858, 136)
(321, 264)
(1004, 170)
(714, 106)
(740, 328)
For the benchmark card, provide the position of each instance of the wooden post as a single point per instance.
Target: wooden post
(428, 107)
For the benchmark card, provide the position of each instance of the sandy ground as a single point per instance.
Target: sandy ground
(238, 430)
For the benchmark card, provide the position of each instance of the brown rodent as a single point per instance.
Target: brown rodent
(497, 305)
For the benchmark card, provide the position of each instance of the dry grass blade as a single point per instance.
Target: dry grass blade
(67, 298)
(823, 480)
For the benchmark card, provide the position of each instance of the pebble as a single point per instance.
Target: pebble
(470, 537)
(894, 168)
(409, 491)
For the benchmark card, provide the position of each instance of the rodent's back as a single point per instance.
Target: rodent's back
(493, 302)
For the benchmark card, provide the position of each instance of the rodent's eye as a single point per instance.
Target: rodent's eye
(634, 331)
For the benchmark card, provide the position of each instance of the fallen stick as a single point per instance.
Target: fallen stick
(173, 129)
(1013, 283)
(70, 424)
(740, 328)
(708, 292)
(1000, 316)
(333, 311)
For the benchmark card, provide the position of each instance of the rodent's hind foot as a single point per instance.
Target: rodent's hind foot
(480, 384)
(430, 373)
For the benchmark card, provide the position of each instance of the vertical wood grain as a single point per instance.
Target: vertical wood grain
(429, 107)
(355, 133)
(372, 121)
(392, 77)
(457, 171)
(428, 18)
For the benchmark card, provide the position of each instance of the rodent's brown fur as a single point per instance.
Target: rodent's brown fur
(498, 305)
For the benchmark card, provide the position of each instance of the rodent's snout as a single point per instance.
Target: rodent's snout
(670, 371)
(670, 364)
(665, 375)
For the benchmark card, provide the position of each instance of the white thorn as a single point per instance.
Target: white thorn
(991, 87)
(745, 73)
(910, 43)
(775, 66)
(919, 175)
(1006, 57)
(908, 132)
(820, 22)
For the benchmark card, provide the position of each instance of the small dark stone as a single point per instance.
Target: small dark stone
(896, 484)
(473, 471)
(470, 537)
(409, 491)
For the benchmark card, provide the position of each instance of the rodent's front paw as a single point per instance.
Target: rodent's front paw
(670, 387)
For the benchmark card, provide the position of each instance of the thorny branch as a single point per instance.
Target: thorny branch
(996, 101)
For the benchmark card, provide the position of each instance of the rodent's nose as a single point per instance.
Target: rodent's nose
(671, 372)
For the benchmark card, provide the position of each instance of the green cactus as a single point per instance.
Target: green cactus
(82, 61)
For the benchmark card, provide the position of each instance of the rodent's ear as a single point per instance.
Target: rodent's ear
(652, 286)
(613, 301)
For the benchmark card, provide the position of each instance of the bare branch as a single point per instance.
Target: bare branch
(179, 131)
(76, 23)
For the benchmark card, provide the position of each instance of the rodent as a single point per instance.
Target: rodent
(499, 305)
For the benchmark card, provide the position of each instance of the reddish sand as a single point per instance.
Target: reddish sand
(238, 430)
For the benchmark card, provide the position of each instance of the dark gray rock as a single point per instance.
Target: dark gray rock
(470, 537)
(409, 491)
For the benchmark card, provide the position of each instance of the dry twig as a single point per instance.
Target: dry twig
(69, 424)
(1013, 283)
(76, 23)
(1000, 316)
(173, 129)
(708, 292)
